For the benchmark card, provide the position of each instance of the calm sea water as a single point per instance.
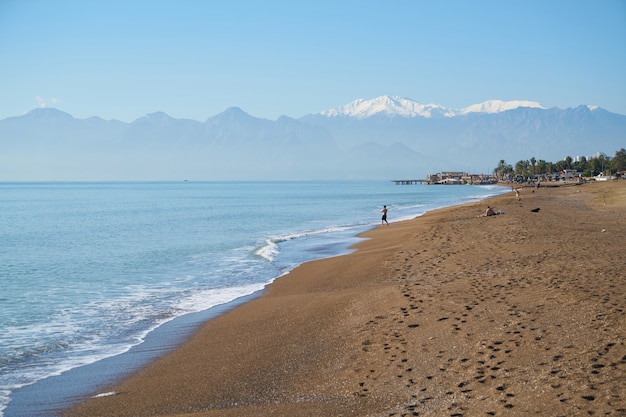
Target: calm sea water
(87, 270)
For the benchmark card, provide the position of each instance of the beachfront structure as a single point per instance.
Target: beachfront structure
(457, 177)
(452, 178)
(447, 177)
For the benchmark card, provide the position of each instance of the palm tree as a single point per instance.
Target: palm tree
(502, 169)
(542, 166)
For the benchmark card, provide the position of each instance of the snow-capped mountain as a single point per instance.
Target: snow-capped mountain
(499, 106)
(401, 106)
(392, 106)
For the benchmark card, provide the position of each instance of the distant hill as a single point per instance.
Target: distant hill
(385, 138)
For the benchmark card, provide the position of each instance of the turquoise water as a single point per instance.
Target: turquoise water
(87, 270)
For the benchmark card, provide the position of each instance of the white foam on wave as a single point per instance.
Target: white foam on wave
(56, 368)
(495, 191)
(87, 352)
(406, 211)
(105, 394)
(33, 341)
(204, 300)
(270, 249)
(4, 400)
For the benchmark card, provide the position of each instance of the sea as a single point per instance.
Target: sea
(98, 278)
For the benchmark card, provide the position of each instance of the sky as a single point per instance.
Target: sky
(121, 59)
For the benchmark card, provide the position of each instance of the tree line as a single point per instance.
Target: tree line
(587, 167)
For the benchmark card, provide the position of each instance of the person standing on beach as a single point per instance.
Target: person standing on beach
(384, 219)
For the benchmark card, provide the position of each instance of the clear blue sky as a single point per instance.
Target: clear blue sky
(122, 59)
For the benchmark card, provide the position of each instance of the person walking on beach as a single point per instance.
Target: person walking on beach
(384, 219)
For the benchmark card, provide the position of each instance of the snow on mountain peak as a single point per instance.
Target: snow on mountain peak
(498, 106)
(392, 106)
(400, 106)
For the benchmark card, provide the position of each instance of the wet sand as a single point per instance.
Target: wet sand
(449, 314)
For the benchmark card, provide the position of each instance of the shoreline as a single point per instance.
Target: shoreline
(295, 336)
(58, 392)
(446, 314)
(61, 391)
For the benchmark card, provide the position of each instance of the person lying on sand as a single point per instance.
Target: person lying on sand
(490, 212)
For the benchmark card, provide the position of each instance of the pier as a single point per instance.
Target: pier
(408, 182)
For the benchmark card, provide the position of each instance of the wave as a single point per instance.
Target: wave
(270, 249)
(495, 191)
(204, 300)
(92, 349)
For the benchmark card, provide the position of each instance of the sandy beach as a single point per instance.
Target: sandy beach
(449, 314)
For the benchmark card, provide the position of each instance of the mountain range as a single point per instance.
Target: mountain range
(384, 138)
